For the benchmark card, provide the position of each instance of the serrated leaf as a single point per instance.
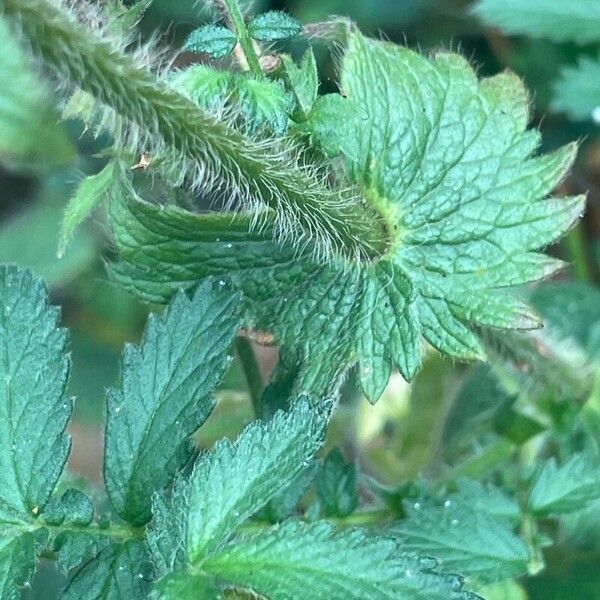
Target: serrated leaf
(262, 103)
(34, 412)
(464, 540)
(297, 560)
(486, 498)
(329, 124)
(452, 162)
(216, 40)
(119, 572)
(165, 395)
(30, 135)
(284, 504)
(76, 547)
(207, 87)
(567, 488)
(244, 476)
(577, 92)
(303, 80)
(89, 194)
(17, 563)
(273, 25)
(337, 485)
(559, 21)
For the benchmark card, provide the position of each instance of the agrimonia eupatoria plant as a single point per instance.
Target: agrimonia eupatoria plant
(447, 209)
(346, 228)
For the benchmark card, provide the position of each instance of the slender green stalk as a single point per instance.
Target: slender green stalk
(307, 210)
(237, 19)
(252, 373)
(575, 245)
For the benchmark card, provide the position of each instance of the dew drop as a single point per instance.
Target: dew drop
(417, 506)
(447, 504)
(454, 521)
(229, 246)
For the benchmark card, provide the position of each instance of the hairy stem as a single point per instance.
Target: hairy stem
(251, 369)
(307, 210)
(237, 20)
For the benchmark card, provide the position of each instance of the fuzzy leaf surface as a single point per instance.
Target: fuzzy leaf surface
(118, 572)
(17, 564)
(273, 25)
(559, 21)
(34, 412)
(165, 395)
(243, 476)
(90, 193)
(449, 157)
(314, 561)
(465, 541)
(215, 40)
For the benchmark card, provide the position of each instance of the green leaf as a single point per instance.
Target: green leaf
(336, 485)
(486, 498)
(89, 194)
(182, 586)
(119, 572)
(17, 563)
(204, 85)
(30, 135)
(451, 160)
(303, 80)
(262, 103)
(577, 92)
(571, 312)
(40, 222)
(567, 488)
(76, 547)
(330, 125)
(34, 411)
(216, 40)
(559, 21)
(464, 540)
(244, 476)
(165, 395)
(273, 25)
(284, 504)
(78, 508)
(297, 560)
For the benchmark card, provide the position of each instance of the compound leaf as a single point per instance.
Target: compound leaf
(559, 21)
(34, 412)
(464, 540)
(451, 160)
(165, 395)
(314, 561)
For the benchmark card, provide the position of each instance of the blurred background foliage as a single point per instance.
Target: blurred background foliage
(537, 396)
